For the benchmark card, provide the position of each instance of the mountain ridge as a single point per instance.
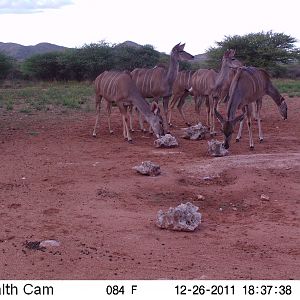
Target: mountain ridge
(21, 52)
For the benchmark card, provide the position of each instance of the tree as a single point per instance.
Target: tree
(6, 65)
(129, 58)
(266, 50)
(43, 66)
(95, 59)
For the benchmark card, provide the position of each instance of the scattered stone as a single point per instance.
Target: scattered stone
(49, 243)
(196, 132)
(184, 217)
(33, 245)
(148, 168)
(200, 197)
(41, 245)
(216, 148)
(264, 197)
(166, 141)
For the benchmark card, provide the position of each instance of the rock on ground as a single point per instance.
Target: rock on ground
(196, 132)
(166, 141)
(148, 168)
(216, 148)
(184, 217)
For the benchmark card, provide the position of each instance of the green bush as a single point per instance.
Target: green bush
(6, 65)
(271, 51)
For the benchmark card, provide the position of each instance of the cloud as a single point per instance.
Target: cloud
(30, 6)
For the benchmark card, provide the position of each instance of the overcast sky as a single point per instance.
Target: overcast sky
(161, 23)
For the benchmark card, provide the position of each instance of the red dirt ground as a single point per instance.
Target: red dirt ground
(58, 182)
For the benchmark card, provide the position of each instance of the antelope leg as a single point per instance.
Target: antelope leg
(98, 107)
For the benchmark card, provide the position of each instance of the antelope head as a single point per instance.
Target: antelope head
(230, 61)
(156, 122)
(228, 127)
(179, 54)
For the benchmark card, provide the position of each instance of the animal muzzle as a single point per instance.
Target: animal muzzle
(226, 145)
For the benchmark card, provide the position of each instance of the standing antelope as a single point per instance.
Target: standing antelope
(215, 86)
(181, 89)
(119, 87)
(158, 81)
(248, 85)
(203, 82)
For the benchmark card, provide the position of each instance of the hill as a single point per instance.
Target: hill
(21, 52)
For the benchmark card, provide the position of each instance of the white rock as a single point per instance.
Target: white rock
(264, 197)
(166, 141)
(49, 243)
(200, 197)
(196, 132)
(184, 217)
(216, 148)
(148, 168)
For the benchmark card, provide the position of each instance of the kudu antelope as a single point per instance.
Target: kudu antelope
(119, 87)
(158, 82)
(212, 87)
(248, 85)
(225, 76)
(203, 82)
(181, 89)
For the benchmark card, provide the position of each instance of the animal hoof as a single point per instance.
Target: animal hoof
(261, 140)
(111, 132)
(170, 124)
(251, 148)
(132, 130)
(188, 124)
(94, 135)
(130, 141)
(237, 140)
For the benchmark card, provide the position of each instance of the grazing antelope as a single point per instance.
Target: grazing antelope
(248, 85)
(158, 82)
(211, 92)
(181, 89)
(119, 87)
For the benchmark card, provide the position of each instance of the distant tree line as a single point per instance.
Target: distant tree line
(275, 52)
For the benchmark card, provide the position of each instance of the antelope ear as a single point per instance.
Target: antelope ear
(239, 118)
(227, 53)
(219, 116)
(155, 108)
(231, 53)
(181, 46)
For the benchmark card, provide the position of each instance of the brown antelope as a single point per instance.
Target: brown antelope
(248, 85)
(212, 92)
(225, 76)
(203, 82)
(158, 82)
(119, 87)
(181, 89)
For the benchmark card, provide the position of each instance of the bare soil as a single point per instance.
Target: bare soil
(58, 182)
